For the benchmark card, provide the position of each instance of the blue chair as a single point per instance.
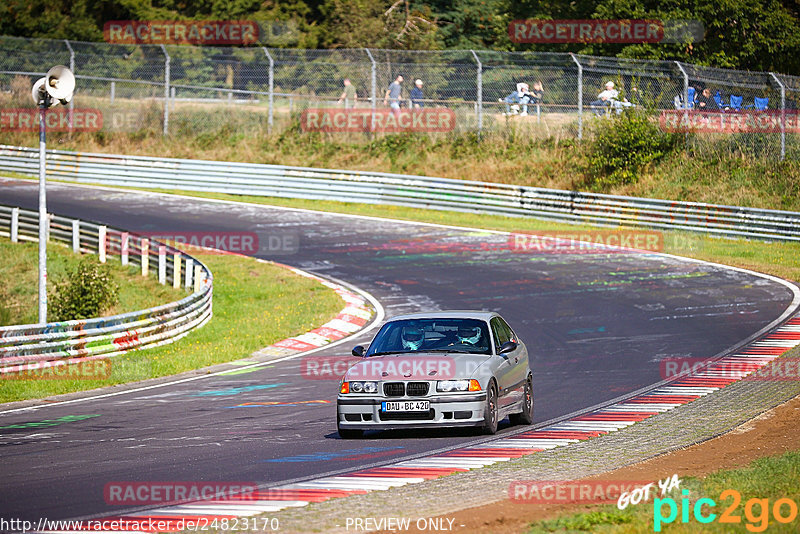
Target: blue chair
(761, 104)
(691, 93)
(719, 101)
(736, 102)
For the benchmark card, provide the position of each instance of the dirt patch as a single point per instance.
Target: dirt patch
(770, 434)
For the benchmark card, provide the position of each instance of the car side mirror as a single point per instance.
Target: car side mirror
(358, 351)
(508, 346)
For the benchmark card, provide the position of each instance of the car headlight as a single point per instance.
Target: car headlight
(359, 387)
(446, 386)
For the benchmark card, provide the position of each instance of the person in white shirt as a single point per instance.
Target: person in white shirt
(605, 99)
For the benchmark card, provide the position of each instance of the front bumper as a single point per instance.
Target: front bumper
(364, 413)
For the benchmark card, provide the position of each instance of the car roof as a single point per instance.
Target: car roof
(483, 315)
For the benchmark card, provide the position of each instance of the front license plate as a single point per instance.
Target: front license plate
(406, 406)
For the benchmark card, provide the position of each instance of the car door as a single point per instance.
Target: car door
(521, 364)
(506, 364)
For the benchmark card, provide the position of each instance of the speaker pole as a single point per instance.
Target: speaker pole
(42, 212)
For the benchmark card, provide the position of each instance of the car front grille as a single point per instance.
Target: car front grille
(417, 389)
(394, 389)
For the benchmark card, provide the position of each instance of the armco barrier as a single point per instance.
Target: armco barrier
(33, 346)
(405, 190)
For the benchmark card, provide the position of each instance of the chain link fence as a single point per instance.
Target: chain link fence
(182, 90)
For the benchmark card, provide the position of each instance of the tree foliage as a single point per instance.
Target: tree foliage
(743, 34)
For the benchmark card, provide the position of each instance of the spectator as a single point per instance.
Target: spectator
(393, 93)
(531, 97)
(513, 100)
(537, 93)
(706, 102)
(416, 95)
(605, 99)
(349, 95)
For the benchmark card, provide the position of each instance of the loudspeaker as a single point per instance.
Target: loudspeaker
(60, 83)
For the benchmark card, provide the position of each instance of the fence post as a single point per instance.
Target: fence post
(166, 89)
(189, 272)
(14, 230)
(271, 87)
(374, 88)
(580, 95)
(783, 114)
(113, 90)
(162, 264)
(685, 100)
(76, 236)
(101, 243)
(176, 270)
(124, 238)
(479, 111)
(145, 250)
(72, 69)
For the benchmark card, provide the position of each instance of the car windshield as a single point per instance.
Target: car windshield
(432, 335)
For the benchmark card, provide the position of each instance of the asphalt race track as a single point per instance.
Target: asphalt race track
(596, 324)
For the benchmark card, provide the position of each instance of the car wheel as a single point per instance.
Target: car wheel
(490, 411)
(526, 416)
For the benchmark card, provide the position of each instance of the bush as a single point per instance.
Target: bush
(625, 143)
(88, 290)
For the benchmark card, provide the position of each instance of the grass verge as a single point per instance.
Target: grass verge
(19, 291)
(255, 305)
(759, 487)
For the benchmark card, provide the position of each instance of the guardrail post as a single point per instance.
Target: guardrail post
(783, 114)
(374, 89)
(166, 89)
(76, 236)
(176, 270)
(479, 97)
(198, 278)
(124, 239)
(145, 246)
(189, 272)
(101, 243)
(162, 264)
(580, 95)
(14, 230)
(271, 88)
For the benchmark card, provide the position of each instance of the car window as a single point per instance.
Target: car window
(432, 335)
(500, 334)
(509, 332)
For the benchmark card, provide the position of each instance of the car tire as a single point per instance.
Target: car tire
(525, 417)
(491, 411)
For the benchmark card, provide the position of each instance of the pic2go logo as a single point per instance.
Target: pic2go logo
(756, 511)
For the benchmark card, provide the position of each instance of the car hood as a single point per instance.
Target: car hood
(417, 366)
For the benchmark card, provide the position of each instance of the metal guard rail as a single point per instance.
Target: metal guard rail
(25, 347)
(405, 190)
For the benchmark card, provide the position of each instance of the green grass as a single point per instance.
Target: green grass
(19, 292)
(255, 305)
(770, 478)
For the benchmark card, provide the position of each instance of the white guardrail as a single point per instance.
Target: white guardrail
(23, 347)
(405, 190)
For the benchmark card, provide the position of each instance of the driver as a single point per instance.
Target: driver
(412, 337)
(468, 335)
